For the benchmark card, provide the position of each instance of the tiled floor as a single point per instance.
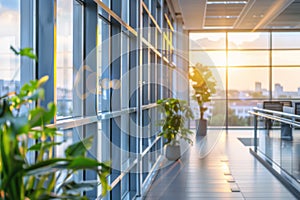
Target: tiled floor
(229, 171)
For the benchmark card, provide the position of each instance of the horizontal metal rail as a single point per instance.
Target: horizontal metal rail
(151, 145)
(276, 118)
(81, 121)
(276, 112)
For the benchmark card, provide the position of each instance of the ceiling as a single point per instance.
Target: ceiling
(238, 14)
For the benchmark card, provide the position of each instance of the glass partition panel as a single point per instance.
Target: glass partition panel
(282, 153)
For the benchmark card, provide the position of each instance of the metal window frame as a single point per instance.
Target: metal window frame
(270, 65)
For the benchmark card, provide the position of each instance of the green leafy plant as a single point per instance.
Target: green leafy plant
(204, 85)
(47, 177)
(176, 112)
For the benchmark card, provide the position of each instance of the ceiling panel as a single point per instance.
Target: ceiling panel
(192, 12)
(289, 18)
(238, 14)
(219, 22)
(224, 10)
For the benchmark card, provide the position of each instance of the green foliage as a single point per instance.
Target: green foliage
(24, 52)
(21, 178)
(176, 112)
(204, 85)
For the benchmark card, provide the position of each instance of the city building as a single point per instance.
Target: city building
(110, 61)
(258, 87)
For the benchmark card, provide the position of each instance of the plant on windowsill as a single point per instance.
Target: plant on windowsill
(176, 112)
(204, 85)
(46, 177)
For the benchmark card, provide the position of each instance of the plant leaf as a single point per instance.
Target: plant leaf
(74, 188)
(46, 164)
(83, 163)
(79, 148)
(46, 145)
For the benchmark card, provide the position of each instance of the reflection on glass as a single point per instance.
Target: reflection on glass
(9, 36)
(64, 55)
(103, 62)
(285, 58)
(248, 58)
(67, 138)
(124, 71)
(248, 82)
(283, 153)
(207, 41)
(125, 11)
(286, 82)
(220, 75)
(248, 40)
(285, 40)
(216, 113)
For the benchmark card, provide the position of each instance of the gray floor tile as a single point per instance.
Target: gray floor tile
(195, 178)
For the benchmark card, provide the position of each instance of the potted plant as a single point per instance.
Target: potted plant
(176, 112)
(204, 85)
(45, 177)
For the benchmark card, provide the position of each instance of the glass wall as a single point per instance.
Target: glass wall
(104, 74)
(10, 13)
(254, 67)
(64, 58)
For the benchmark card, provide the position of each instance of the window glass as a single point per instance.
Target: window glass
(285, 40)
(248, 40)
(9, 36)
(103, 62)
(219, 74)
(208, 58)
(248, 58)
(64, 58)
(207, 41)
(245, 83)
(216, 113)
(238, 112)
(285, 58)
(125, 11)
(286, 82)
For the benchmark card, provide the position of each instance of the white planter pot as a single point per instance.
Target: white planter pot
(172, 152)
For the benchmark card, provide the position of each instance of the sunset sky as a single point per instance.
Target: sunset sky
(256, 60)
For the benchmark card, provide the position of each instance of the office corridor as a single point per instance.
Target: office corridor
(228, 172)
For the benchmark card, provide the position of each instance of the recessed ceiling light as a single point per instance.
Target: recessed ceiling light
(221, 17)
(217, 27)
(226, 2)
